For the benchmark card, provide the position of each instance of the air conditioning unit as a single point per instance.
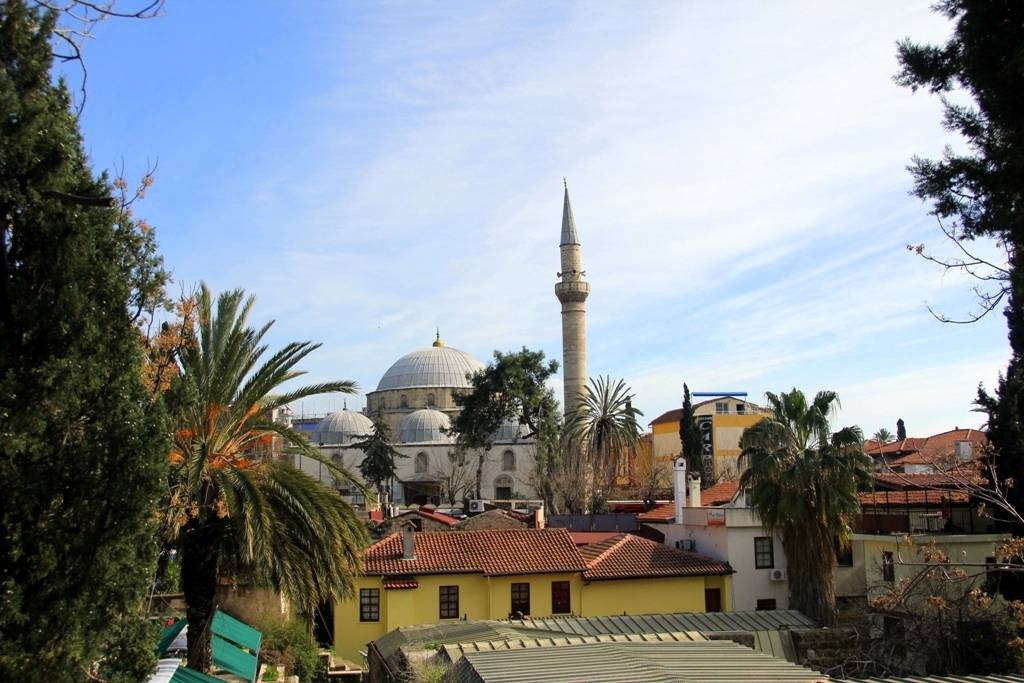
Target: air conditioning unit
(476, 506)
(779, 575)
(686, 544)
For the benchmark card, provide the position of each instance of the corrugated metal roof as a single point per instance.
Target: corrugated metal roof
(766, 620)
(389, 644)
(455, 651)
(967, 678)
(631, 662)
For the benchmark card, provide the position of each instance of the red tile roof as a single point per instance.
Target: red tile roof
(627, 556)
(437, 517)
(588, 537)
(937, 449)
(900, 498)
(493, 552)
(720, 494)
(400, 582)
(927, 480)
(659, 514)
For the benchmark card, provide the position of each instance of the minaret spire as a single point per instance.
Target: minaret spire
(572, 291)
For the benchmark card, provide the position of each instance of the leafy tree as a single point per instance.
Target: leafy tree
(978, 192)
(513, 387)
(82, 448)
(232, 512)
(604, 429)
(689, 436)
(901, 430)
(882, 436)
(803, 481)
(378, 464)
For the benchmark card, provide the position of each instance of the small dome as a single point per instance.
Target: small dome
(424, 426)
(343, 426)
(434, 366)
(511, 431)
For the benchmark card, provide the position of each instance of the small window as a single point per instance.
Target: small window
(741, 408)
(430, 400)
(765, 604)
(560, 598)
(722, 407)
(521, 598)
(403, 402)
(888, 566)
(422, 463)
(764, 553)
(369, 604)
(844, 556)
(508, 461)
(449, 596)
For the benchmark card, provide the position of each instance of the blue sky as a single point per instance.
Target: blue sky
(737, 171)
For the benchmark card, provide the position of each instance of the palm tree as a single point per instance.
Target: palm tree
(882, 436)
(803, 480)
(604, 430)
(233, 512)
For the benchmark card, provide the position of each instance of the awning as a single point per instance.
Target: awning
(236, 645)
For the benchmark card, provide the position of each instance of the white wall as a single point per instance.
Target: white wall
(734, 543)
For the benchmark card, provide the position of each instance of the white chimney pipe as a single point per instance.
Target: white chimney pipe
(695, 492)
(680, 488)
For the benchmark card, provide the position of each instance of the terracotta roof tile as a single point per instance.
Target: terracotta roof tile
(492, 552)
(927, 480)
(400, 582)
(588, 537)
(659, 514)
(721, 493)
(629, 556)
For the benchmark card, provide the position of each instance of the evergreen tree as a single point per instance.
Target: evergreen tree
(512, 388)
(83, 449)
(378, 464)
(901, 430)
(689, 436)
(980, 191)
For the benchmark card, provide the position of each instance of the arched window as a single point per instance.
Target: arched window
(421, 463)
(403, 402)
(508, 461)
(430, 400)
(503, 487)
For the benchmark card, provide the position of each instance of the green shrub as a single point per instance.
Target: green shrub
(288, 644)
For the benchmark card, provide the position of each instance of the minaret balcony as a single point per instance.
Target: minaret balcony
(572, 291)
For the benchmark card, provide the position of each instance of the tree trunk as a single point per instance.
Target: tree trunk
(199, 582)
(810, 557)
(479, 473)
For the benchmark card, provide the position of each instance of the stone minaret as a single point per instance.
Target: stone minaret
(572, 290)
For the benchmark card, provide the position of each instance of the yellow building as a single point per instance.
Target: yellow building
(721, 420)
(436, 577)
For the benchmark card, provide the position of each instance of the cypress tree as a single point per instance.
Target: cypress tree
(901, 430)
(83, 447)
(689, 436)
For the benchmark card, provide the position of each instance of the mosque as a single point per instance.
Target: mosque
(416, 399)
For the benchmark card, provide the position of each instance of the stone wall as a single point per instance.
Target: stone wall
(823, 649)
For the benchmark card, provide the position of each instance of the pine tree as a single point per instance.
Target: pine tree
(378, 464)
(980, 191)
(83, 449)
(689, 436)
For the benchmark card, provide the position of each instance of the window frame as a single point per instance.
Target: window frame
(888, 566)
(766, 604)
(759, 553)
(523, 597)
(508, 461)
(721, 408)
(557, 596)
(447, 599)
(369, 599)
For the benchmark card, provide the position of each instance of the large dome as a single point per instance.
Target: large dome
(342, 426)
(434, 366)
(424, 426)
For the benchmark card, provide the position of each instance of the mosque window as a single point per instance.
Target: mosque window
(421, 464)
(508, 461)
(403, 402)
(430, 400)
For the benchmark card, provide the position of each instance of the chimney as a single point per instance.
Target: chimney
(539, 522)
(695, 492)
(408, 542)
(679, 491)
